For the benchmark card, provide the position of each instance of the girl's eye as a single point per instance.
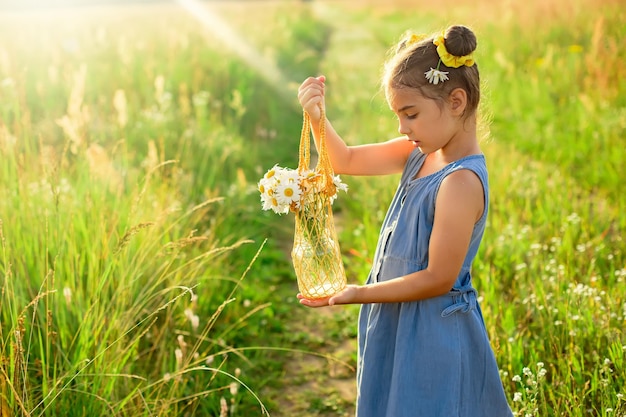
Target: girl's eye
(411, 116)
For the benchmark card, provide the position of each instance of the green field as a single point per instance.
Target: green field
(140, 277)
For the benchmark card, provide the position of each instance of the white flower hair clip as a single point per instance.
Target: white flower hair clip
(434, 75)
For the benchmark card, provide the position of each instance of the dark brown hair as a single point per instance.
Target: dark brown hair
(411, 60)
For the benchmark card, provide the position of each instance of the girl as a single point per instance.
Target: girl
(423, 349)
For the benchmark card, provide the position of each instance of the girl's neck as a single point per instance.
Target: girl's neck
(436, 161)
(462, 144)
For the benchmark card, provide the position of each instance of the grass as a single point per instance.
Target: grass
(139, 276)
(127, 218)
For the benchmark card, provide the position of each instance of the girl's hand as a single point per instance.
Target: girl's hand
(311, 96)
(345, 296)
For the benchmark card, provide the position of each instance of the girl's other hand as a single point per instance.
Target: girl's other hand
(311, 96)
(345, 296)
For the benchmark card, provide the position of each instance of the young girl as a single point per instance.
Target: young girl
(423, 346)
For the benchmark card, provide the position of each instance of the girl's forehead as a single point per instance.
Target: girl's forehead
(400, 98)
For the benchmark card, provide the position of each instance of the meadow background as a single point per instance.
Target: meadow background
(140, 276)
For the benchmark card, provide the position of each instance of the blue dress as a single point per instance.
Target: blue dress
(428, 358)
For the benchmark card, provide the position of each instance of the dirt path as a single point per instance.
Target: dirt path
(322, 382)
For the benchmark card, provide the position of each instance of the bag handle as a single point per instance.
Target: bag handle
(324, 166)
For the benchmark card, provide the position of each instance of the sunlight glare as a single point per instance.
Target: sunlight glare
(231, 40)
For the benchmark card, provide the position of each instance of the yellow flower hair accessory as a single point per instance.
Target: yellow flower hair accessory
(414, 38)
(435, 75)
(447, 58)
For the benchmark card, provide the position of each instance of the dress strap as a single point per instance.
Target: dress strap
(464, 300)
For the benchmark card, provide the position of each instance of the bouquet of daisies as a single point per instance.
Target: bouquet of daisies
(285, 190)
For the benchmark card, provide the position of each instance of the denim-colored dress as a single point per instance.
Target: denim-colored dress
(428, 358)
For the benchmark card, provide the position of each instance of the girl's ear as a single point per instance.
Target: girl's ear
(458, 101)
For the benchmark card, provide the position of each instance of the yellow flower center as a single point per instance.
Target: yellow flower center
(288, 192)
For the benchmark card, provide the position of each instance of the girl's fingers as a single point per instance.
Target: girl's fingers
(312, 303)
(310, 91)
(307, 93)
(313, 81)
(311, 95)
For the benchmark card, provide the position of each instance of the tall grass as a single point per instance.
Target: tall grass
(129, 146)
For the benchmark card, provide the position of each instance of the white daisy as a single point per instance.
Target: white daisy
(434, 76)
(341, 186)
(287, 193)
(289, 176)
(266, 189)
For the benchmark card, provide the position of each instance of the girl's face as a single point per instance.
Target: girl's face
(426, 123)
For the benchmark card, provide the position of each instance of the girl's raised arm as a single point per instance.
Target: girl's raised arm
(372, 159)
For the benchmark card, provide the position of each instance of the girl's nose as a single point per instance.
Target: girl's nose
(403, 129)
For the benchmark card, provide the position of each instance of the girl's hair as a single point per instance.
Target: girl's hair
(411, 60)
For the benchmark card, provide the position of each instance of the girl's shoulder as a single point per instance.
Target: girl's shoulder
(475, 163)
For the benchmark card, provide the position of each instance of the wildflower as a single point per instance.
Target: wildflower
(201, 98)
(575, 49)
(234, 388)
(573, 218)
(286, 193)
(517, 378)
(340, 185)
(283, 190)
(517, 397)
(434, 76)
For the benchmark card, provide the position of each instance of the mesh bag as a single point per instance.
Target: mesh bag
(316, 254)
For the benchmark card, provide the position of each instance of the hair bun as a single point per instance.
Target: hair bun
(460, 40)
